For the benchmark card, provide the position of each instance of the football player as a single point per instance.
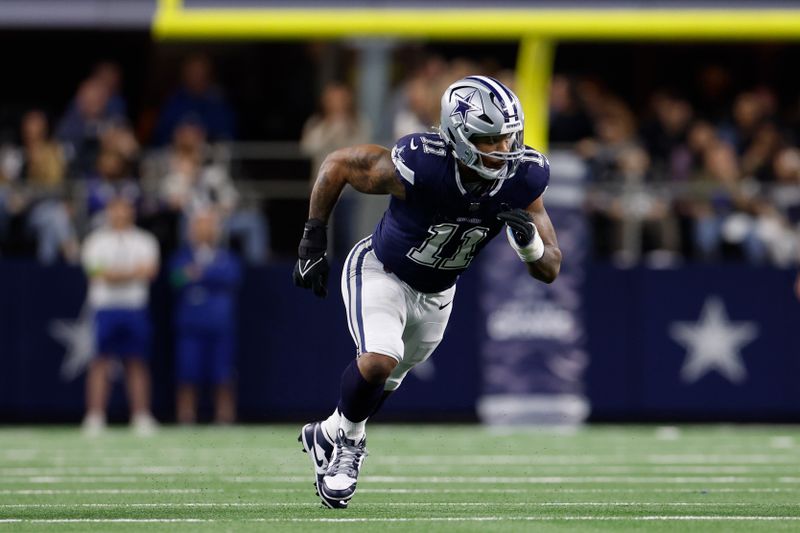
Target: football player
(451, 192)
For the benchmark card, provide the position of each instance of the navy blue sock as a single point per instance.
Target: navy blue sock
(378, 406)
(359, 398)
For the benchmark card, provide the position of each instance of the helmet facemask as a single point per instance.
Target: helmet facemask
(512, 158)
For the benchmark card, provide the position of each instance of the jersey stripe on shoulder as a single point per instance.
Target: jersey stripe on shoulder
(533, 156)
(397, 158)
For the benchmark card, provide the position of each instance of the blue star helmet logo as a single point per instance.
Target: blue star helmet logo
(464, 105)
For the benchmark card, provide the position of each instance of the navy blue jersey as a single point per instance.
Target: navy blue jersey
(429, 238)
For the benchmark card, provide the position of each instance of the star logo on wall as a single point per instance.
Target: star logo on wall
(464, 105)
(77, 336)
(713, 343)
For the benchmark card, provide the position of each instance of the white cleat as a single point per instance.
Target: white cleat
(339, 483)
(319, 448)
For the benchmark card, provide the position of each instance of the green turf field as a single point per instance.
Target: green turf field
(417, 478)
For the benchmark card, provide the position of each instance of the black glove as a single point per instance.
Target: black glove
(311, 269)
(521, 224)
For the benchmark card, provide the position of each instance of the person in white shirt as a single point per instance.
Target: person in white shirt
(120, 261)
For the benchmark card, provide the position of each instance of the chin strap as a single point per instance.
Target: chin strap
(529, 253)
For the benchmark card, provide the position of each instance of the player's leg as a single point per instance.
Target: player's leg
(423, 335)
(223, 347)
(98, 382)
(362, 386)
(98, 385)
(376, 303)
(376, 306)
(318, 438)
(224, 404)
(420, 338)
(186, 404)
(137, 380)
(136, 351)
(188, 367)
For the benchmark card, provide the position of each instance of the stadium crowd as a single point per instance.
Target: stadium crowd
(708, 177)
(56, 182)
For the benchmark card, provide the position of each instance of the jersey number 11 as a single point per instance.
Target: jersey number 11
(428, 252)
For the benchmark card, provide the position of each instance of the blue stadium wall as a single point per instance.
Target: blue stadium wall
(696, 343)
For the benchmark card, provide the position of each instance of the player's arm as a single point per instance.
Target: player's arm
(146, 271)
(368, 168)
(549, 265)
(142, 272)
(95, 269)
(147, 268)
(531, 234)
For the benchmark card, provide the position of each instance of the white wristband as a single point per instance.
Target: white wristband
(529, 253)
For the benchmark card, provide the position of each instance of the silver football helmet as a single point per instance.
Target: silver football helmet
(478, 106)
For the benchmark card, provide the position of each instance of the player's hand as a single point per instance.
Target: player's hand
(311, 269)
(521, 224)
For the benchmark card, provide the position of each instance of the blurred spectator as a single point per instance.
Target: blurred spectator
(335, 126)
(84, 122)
(192, 181)
(109, 74)
(206, 278)
(39, 162)
(785, 192)
(120, 260)
(763, 148)
(687, 158)
(778, 211)
(749, 113)
(568, 120)
(200, 99)
(666, 129)
(714, 90)
(419, 107)
(187, 180)
(119, 137)
(720, 207)
(43, 163)
(411, 105)
(629, 216)
(111, 180)
(616, 133)
(34, 202)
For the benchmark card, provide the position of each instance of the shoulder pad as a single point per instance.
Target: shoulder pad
(419, 153)
(535, 170)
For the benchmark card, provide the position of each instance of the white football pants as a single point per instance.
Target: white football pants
(386, 316)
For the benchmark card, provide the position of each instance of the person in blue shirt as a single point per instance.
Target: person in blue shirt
(452, 191)
(200, 99)
(206, 279)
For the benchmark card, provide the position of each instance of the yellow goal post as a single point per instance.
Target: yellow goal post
(537, 30)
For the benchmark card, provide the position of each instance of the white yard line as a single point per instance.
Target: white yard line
(234, 470)
(46, 492)
(367, 490)
(532, 459)
(500, 480)
(666, 518)
(166, 505)
(480, 480)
